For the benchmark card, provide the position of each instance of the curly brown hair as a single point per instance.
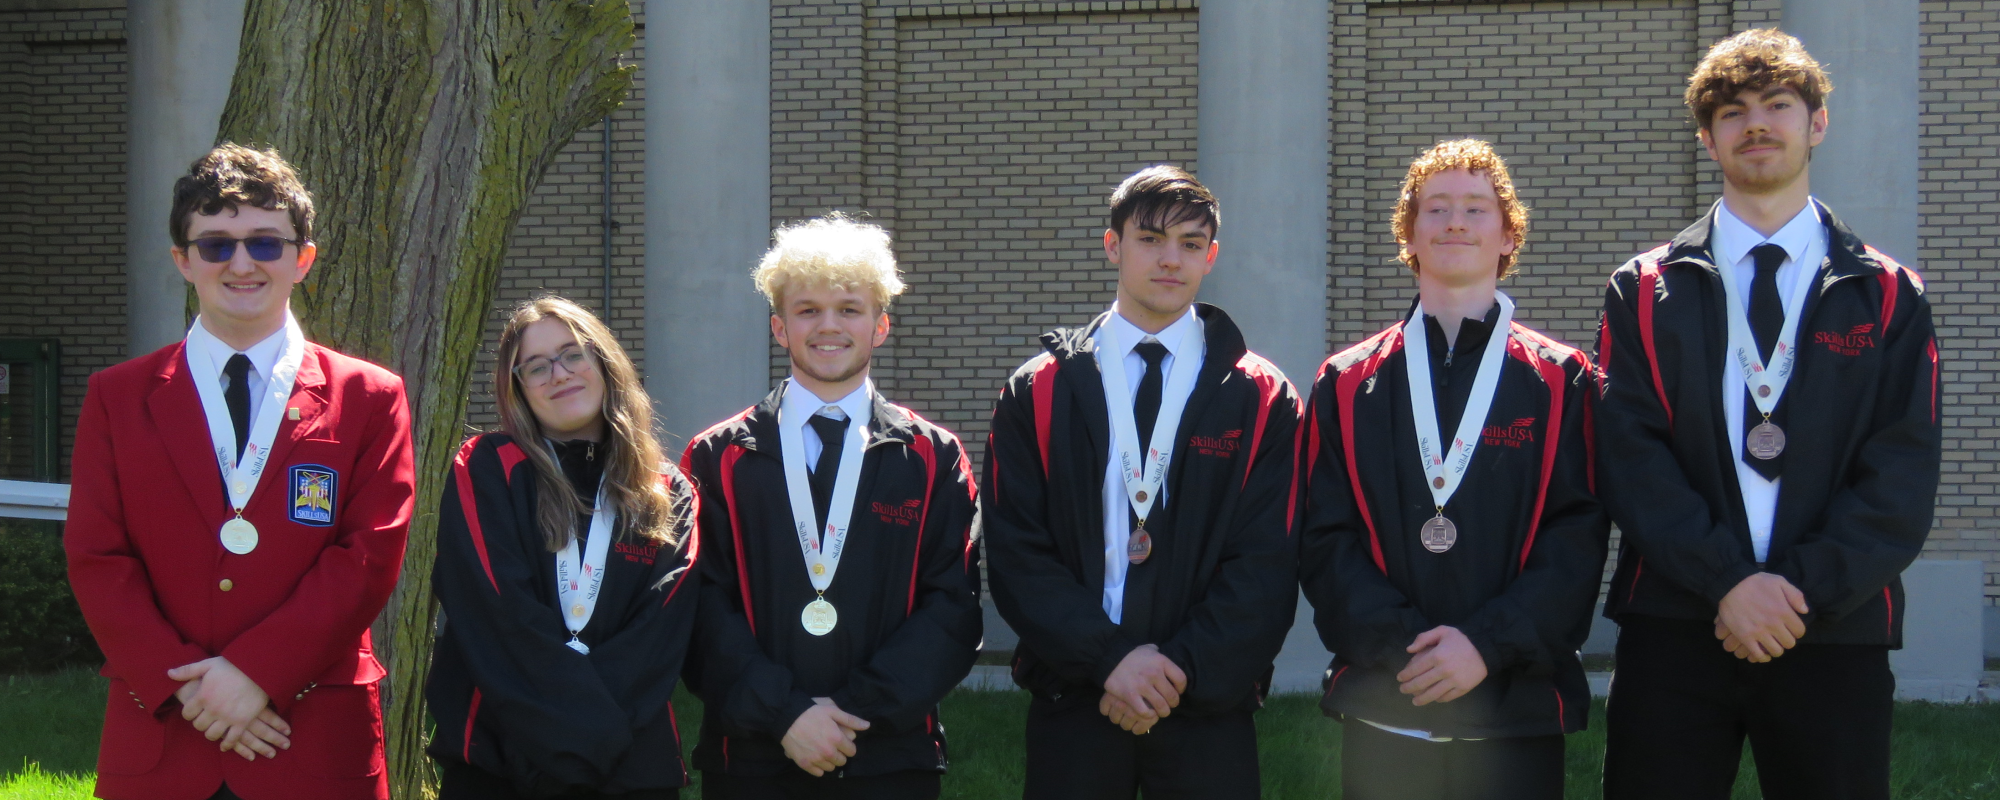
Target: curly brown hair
(1753, 60)
(1474, 156)
(232, 175)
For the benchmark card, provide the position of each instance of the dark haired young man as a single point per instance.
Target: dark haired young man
(840, 595)
(236, 521)
(1452, 546)
(1772, 398)
(1138, 514)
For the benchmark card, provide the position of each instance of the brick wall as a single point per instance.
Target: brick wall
(62, 160)
(1959, 161)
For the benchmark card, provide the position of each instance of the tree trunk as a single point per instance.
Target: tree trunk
(421, 128)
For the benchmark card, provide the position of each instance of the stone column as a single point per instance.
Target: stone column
(708, 208)
(182, 58)
(1866, 170)
(1264, 151)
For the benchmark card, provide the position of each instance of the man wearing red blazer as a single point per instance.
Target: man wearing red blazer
(237, 518)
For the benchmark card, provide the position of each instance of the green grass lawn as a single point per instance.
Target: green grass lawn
(49, 725)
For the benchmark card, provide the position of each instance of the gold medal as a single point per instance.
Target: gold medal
(1438, 534)
(819, 617)
(1140, 546)
(239, 536)
(1765, 441)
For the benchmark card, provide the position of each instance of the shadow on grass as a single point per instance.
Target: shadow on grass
(51, 721)
(49, 726)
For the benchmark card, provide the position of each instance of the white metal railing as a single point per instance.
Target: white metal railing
(31, 500)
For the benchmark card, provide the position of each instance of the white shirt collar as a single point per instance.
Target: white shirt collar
(1173, 336)
(858, 404)
(1733, 238)
(263, 355)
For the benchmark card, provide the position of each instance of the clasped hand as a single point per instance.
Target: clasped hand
(1443, 666)
(1760, 619)
(1144, 688)
(822, 739)
(226, 706)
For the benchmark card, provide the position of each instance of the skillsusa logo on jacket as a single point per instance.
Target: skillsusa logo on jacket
(892, 514)
(1223, 446)
(312, 495)
(1519, 432)
(1851, 343)
(636, 553)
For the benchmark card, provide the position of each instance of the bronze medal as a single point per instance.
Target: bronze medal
(1139, 547)
(1765, 441)
(1438, 534)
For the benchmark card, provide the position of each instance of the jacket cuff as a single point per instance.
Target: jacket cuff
(1113, 655)
(1726, 580)
(794, 708)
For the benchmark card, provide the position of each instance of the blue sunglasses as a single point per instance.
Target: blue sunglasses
(219, 249)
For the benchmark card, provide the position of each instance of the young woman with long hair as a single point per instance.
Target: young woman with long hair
(564, 542)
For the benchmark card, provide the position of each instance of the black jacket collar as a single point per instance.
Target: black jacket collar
(759, 431)
(1222, 340)
(1846, 256)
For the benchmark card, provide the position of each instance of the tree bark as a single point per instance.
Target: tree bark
(421, 128)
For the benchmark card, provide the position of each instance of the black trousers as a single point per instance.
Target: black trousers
(801, 785)
(1378, 765)
(458, 780)
(1817, 717)
(1075, 753)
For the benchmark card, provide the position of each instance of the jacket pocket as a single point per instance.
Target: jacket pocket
(133, 737)
(337, 732)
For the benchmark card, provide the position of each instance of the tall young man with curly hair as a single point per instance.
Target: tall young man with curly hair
(1453, 545)
(1772, 401)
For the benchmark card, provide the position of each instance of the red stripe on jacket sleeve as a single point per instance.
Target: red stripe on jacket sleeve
(1649, 279)
(730, 455)
(1043, 387)
(1349, 381)
(1266, 375)
(928, 452)
(470, 715)
(461, 471)
(1553, 377)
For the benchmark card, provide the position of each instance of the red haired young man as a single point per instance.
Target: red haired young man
(1453, 547)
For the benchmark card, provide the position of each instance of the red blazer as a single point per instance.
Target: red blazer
(332, 511)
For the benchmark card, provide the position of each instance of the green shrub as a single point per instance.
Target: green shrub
(40, 626)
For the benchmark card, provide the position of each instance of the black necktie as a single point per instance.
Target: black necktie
(1146, 404)
(832, 434)
(1767, 317)
(237, 397)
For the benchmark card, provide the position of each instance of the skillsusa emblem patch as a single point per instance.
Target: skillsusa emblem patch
(313, 495)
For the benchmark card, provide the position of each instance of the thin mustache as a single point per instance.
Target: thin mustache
(1759, 143)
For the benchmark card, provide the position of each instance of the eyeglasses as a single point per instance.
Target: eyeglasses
(219, 249)
(537, 371)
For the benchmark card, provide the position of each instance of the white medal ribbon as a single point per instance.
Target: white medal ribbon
(822, 557)
(577, 584)
(239, 478)
(1445, 465)
(1145, 473)
(1766, 382)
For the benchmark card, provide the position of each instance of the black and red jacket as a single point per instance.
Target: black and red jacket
(509, 696)
(907, 591)
(1521, 580)
(1862, 439)
(1217, 594)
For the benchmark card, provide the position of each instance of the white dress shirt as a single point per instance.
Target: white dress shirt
(856, 405)
(1804, 240)
(207, 355)
(1117, 508)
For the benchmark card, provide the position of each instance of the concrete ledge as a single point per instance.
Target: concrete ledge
(31, 500)
(1943, 654)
